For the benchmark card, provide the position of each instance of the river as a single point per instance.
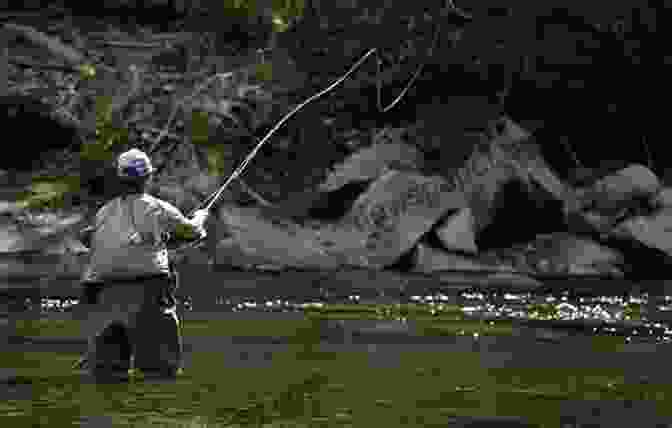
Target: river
(486, 358)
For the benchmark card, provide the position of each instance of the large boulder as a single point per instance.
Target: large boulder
(256, 240)
(630, 192)
(589, 223)
(517, 147)
(65, 259)
(42, 247)
(622, 189)
(384, 223)
(653, 231)
(372, 162)
(457, 232)
(396, 211)
(430, 260)
(506, 177)
(662, 199)
(34, 233)
(563, 253)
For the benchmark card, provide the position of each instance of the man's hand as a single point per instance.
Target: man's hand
(199, 219)
(200, 216)
(195, 229)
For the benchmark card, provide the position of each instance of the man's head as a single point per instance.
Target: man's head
(134, 169)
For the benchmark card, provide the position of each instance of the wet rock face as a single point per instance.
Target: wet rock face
(257, 241)
(629, 185)
(396, 211)
(652, 231)
(585, 176)
(428, 260)
(387, 152)
(663, 199)
(456, 232)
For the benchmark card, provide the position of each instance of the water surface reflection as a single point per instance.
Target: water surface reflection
(638, 318)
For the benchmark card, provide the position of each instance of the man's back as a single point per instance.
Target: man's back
(130, 237)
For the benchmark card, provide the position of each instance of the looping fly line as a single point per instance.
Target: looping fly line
(212, 198)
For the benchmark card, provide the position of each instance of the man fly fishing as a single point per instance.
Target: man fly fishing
(130, 282)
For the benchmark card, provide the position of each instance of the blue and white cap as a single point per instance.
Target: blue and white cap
(134, 163)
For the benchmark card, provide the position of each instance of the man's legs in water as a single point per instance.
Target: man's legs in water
(108, 326)
(156, 339)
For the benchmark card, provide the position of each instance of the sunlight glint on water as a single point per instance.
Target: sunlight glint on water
(630, 316)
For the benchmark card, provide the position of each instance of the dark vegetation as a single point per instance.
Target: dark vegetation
(581, 77)
(572, 73)
(29, 128)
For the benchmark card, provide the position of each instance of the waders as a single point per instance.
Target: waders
(133, 322)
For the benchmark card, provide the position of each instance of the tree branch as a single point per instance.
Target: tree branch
(56, 48)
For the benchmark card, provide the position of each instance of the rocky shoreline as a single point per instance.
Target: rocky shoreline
(405, 221)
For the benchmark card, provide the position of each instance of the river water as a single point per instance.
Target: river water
(639, 318)
(547, 356)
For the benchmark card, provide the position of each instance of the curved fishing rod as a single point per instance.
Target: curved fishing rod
(212, 198)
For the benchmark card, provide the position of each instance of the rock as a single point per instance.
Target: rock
(256, 240)
(384, 223)
(663, 199)
(481, 192)
(396, 211)
(565, 253)
(230, 253)
(509, 131)
(504, 176)
(525, 155)
(614, 191)
(38, 232)
(654, 231)
(457, 232)
(371, 162)
(507, 280)
(583, 176)
(66, 258)
(42, 246)
(429, 260)
(589, 222)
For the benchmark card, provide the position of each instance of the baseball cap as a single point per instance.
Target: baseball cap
(134, 163)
